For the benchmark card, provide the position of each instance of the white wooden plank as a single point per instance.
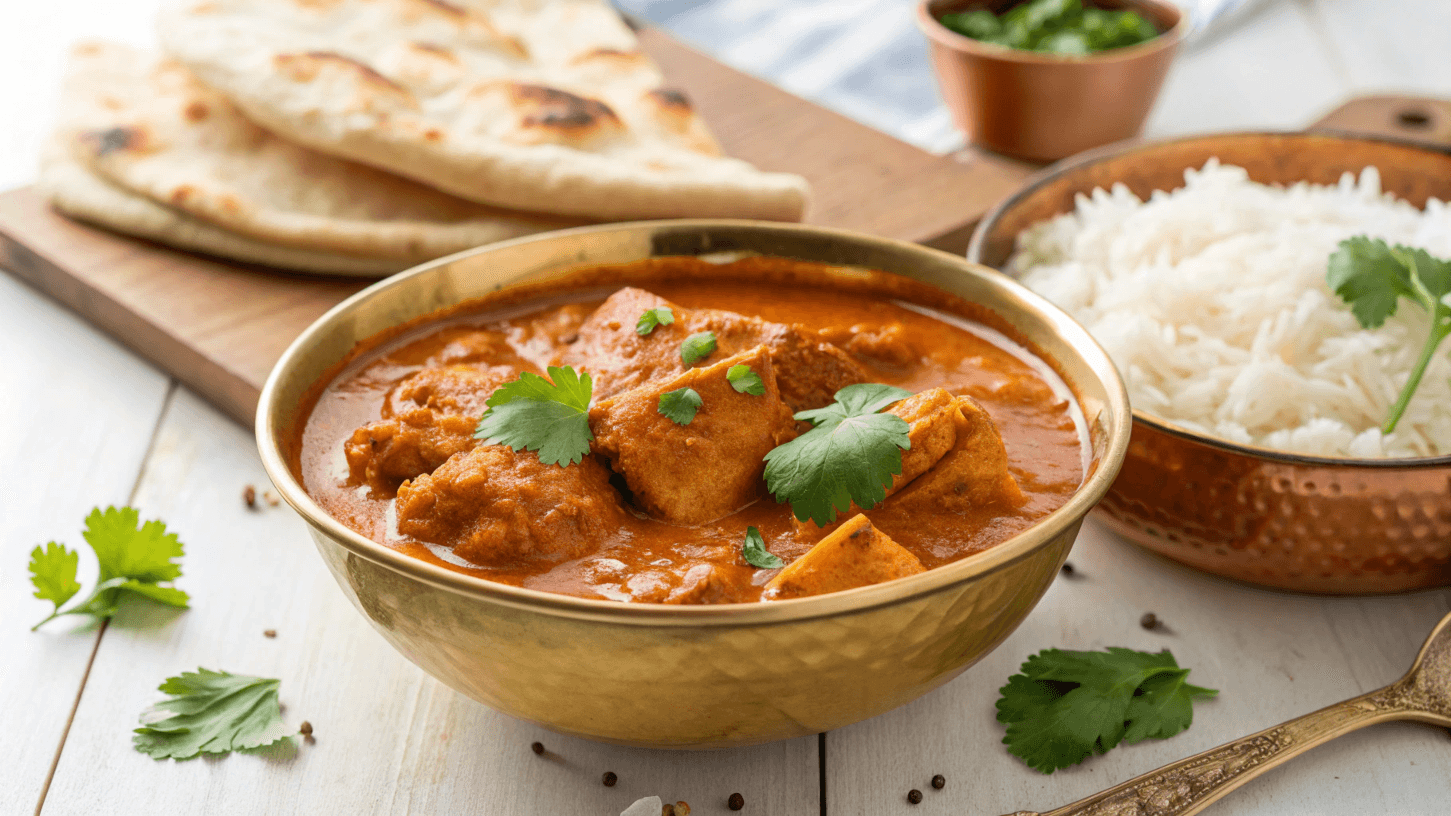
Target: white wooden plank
(1397, 46)
(76, 414)
(1272, 655)
(389, 739)
(1269, 69)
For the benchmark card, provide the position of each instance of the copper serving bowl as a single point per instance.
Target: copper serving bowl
(1047, 106)
(1283, 520)
(690, 677)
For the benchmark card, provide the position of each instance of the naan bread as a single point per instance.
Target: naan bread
(76, 191)
(147, 126)
(541, 105)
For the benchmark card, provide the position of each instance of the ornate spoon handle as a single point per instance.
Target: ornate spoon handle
(1190, 785)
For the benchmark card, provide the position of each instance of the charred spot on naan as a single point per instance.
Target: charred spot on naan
(677, 116)
(127, 138)
(374, 87)
(567, 117)
(476, 27)
(425, 68)
(611, 56)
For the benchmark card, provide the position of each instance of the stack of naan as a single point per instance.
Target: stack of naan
(364, 136)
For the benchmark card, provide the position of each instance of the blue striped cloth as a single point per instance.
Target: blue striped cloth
(862, 58)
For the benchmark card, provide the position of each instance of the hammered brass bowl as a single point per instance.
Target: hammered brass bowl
(1282, 520)
(709, 676)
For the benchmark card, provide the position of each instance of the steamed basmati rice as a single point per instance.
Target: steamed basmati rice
(1212, 301)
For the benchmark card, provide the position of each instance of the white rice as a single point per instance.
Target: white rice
(1212, 301)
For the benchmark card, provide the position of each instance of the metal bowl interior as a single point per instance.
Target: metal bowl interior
(705, 676)
(1283, 520)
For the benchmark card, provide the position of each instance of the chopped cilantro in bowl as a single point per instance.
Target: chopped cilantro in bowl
(1065, 27)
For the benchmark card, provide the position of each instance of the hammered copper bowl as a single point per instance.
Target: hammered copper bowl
(1303, 523)
(1046, 106)
(709, 676)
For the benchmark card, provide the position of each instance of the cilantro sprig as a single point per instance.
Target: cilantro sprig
(211, 712)
(850, 455)
(658, 316)
(1373, 277)
(745, 381)
(548, 416)
(755, 552)
(680, 405)
(1067, 705)
(135, 558)
(697, 347)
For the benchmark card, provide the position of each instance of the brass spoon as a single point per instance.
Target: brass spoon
(1191, 785)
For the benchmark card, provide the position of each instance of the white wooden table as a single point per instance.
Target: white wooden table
(84, 421)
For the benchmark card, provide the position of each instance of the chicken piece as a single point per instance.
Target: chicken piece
(809, 370)
(496, 507)
(856, 554)
(973, 474)
(691, 474)
(428, 417)
(885, 343)
(701, 584)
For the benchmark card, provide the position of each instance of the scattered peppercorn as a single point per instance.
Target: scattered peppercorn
(736, 801)
(682, 809)
(305, 729)
(914, 796)
(272, 633)
(1068, 569)
(1149, 621)
(609, 779)
(537, 748)
(939, 782)
(249, 496)
(667, 809)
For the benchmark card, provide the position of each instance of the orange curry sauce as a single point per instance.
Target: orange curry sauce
(899, 332)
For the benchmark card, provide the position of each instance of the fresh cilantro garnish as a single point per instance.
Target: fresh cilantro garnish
(134, 558)
(1054, 26)
(680, 405)
(1066, 705)
(744, 380)
(1373, 277)
(211, 713)
(697, 347)
(658, 316)
(850, 456)
(755, 552)
(550, 417)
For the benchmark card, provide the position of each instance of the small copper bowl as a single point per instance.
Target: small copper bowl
(1303, 523)
(1044, 106)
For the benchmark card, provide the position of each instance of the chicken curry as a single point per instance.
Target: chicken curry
(754, 431)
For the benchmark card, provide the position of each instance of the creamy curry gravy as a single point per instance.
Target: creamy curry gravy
(387, 448)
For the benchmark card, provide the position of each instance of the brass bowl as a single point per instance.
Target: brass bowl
(1046, 106)
(709, 676)
(1282, 520)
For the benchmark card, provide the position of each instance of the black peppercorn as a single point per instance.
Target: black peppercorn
(736, 801)
(914, 796)
(537, 748)
(609, 779)
(1068, 569)
(305, 729)
(939, 781)
(1149, 621)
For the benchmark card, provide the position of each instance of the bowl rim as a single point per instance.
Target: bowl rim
(1129, 146)
(1022, 545)
(940, 34)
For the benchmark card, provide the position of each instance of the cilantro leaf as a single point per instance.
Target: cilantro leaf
(134, 558)
(697, 347)
(755, 552)
(1372, 277)
(1067, 705)
(680, 405)
(745, 381)
(850, 456)
(211, 712)
(658, 316)
(53, 573)
(548, 416)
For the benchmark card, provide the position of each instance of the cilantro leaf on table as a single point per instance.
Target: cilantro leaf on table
(133, 557)
(1067, 705)
(697, 347)
(1372, 277)
(548, 416)
(755, 552)
(745, 381)
(680, 405)
(211, 712)
(850, 456)
(658, 316)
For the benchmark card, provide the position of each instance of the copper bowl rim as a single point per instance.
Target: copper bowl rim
(1170, 38)
(1022, 545)
(1116, 149)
